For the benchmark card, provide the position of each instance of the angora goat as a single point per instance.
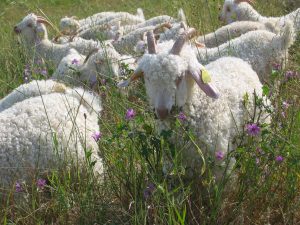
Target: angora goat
(174, 77)
(43, 121)
(237, 10)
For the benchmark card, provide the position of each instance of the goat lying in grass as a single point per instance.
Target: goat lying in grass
(42, 122)
(71, 25)
(35, 37)
(238, 10)
(233, 30)
(102, 63)
(260, 48)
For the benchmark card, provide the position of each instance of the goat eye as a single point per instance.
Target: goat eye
(29, 25)
(228, 9)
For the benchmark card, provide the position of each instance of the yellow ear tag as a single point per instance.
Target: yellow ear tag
(205, 76)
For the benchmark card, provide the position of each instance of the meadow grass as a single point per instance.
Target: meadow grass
(135, 188)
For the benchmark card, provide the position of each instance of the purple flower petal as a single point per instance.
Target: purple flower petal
(277, 66)
(18, 187)
(75, 62)
(257, 161)
(44, 72)
(130, 114)
(291, 75)
(279, 158)
(41, 183)
(97, 135)
(182, 117)
(285, 105)
(253, 129)
(219, 155)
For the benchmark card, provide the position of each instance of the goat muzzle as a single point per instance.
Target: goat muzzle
(162, 113)
(17, 30)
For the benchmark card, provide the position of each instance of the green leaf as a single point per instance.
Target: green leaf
(205, 76)
(266, 90)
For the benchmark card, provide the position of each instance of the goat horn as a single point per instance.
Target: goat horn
(209, 89)
(178, 45)
(55, 39)
(151, 42)
(183, 25)
(41, 19)
(138, 73)
(161, 26)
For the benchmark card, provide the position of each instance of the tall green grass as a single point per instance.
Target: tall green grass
(137, 188)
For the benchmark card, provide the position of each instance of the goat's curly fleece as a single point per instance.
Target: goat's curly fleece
(69, 25)
(244, 11)
(105, 63)
(172, 33)
(154, 21)
(259, 48)
(82, 45)
(234, 30)
(126, 44)
(29, 121)
(217, 122)
(38, 44)
(214, 121)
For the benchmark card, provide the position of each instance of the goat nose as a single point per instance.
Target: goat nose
(16, 29)
(162, 113)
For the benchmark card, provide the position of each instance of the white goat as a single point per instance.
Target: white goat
(43, 121)
(127, 43)
(82, 45)
(101, 63)
(174, 77)
(70, 25)
(259, 48)
(34, 33)
(234, 10)
(234, 30)
(108, 27)
(154, 21)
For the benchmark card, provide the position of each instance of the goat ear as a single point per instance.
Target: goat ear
(199, 44)
(138, 73)
(206, 87)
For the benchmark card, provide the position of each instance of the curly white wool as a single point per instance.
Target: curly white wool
(37, 115)
(127, 44)
(76, 69)
(215, 122)
(53, 53)
(234, 30)
(234, 10)
(259, 48)
(70, 25)
(173, 32)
